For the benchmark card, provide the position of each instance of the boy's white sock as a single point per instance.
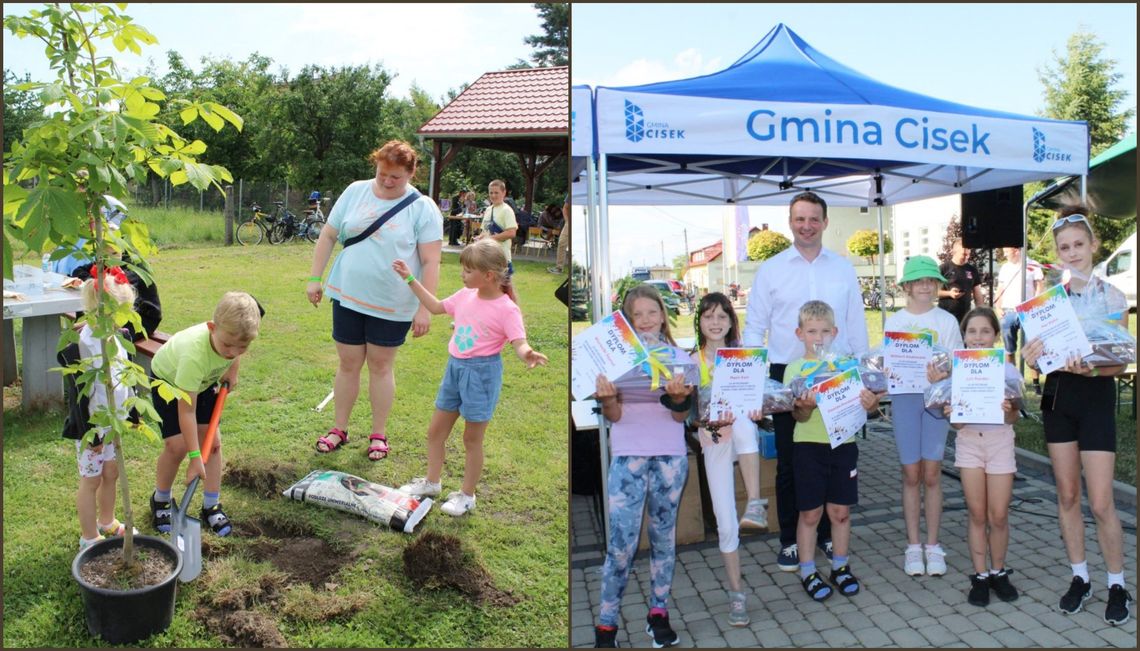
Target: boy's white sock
(1082, 570)
(1116, 579)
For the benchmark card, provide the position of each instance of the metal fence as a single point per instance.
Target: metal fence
(263, 193)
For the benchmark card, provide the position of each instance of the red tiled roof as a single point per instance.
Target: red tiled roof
(511, 102)
(712, 252)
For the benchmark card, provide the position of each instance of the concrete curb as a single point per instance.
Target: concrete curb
(1123, 493)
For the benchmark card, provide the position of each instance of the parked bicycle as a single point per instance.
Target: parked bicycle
(874, 296)
(315, 217)
(253, 230)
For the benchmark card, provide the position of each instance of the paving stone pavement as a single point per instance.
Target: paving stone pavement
(892, 609)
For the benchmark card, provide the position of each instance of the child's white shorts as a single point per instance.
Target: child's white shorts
(90, 461)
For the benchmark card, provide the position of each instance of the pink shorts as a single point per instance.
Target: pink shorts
(991, 450)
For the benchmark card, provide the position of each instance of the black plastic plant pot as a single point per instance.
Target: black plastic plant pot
(126, 616)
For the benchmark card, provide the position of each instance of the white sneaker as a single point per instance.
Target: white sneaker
(755, 515)
(935, 560)
(421, 487)
(913, 564)
(458, 504)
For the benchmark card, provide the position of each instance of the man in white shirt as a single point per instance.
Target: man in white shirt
(1008, 296)
(802, 272)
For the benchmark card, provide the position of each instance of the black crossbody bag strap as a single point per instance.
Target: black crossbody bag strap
(363, 235)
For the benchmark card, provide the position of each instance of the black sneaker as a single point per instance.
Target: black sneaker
(216, 518)
(605, 637)
(160, 514)
(1002, 587)
(1118, 601)
(979, 591)
(1079, 592)
(657, 626)
(789, 558)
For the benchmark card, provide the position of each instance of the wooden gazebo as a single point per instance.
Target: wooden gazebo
(524, 111)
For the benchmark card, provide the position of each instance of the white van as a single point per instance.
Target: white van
(1120, 269)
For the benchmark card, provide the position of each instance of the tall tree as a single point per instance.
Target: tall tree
(1080, 87)
(552, 46)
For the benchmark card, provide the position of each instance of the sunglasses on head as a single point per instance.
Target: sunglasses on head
(1071, 219)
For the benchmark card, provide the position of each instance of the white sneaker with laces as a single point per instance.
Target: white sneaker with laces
(935, 560)
(421, 487)
(458, 504)
(913, 564)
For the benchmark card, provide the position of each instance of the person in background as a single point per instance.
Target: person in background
(963, 283)
(1008, 297)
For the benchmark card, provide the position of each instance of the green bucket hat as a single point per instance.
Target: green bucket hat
(919, 267)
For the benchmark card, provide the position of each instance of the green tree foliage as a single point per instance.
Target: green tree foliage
(21, 107)
(1081, 84)
(552, 46)
(101, 133)
(766, 244)
(865, 243)
(680, 264)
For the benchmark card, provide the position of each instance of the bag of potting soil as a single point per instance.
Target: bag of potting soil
(345, 492)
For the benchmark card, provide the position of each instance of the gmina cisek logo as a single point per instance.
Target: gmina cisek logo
(637, 129)
(1041, 153)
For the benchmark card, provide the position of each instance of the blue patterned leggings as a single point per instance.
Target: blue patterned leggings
(631, 481)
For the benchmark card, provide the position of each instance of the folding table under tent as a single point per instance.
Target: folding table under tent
(783, 119)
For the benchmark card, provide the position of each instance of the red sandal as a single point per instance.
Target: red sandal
(378, 445)
(329, 445)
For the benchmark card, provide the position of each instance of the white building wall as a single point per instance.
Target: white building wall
(920, 227)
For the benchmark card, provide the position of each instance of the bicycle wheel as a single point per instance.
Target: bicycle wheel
(313, 229)
(249, 233)
(278, 233)
(889, 300)
(867, 299)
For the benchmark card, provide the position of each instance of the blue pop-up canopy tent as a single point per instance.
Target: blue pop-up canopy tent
(785, 118)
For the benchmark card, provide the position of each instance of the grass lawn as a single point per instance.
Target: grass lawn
(1029, 433)
(360, 596)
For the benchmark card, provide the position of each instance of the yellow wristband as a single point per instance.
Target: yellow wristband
(409, 279)
(193, 454)
(1095, 371)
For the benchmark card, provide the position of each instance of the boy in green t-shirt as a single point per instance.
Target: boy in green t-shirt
(823, 475)
(197, 360)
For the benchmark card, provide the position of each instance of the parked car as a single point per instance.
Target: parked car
(672, 300)
(1120, 269)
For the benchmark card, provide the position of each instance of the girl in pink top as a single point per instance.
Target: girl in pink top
(647, 442)
(485, 319)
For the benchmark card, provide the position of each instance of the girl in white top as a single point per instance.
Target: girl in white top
(985, 458)
(98, 464)
(919, 435)
(717, 327)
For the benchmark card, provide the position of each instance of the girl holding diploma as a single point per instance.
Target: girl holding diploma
(717, 327)
(649, 463)
(1080, 431)
(984, 453)
(920, 437)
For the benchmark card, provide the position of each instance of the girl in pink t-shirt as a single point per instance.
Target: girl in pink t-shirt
(485, 319)
(648, 465)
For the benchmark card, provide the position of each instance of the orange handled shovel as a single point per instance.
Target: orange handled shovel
(186, 531)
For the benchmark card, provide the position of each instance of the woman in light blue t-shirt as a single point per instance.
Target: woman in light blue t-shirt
(373, 308)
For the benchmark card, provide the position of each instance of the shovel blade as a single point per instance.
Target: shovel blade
(186, 533)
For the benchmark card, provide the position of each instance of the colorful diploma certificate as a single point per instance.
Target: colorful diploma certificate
(977, 386)
(838, 401)
(738, 381)
(905, 355)
(1051, 317)
(609, 347)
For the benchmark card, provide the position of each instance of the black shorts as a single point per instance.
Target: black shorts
(1081, 409)
(824, 475)
(168, 411)
(356, 329)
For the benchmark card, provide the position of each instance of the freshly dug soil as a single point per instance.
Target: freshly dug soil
(309, 560)
(108, 571)
(437, 560)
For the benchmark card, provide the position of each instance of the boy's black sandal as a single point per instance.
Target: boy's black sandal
(844, 579)
(160, 513)
(816, 588)
(217, 519)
